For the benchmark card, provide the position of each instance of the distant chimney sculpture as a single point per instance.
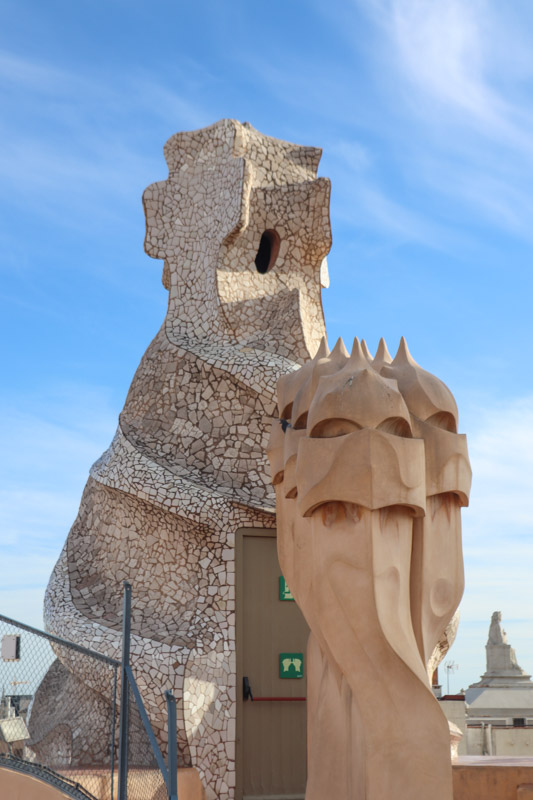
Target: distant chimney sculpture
(503, 670)
(370, 476)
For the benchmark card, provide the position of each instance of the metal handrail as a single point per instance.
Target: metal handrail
(146, 722)
(284, 699)
(59, 640)
(172, 771)
(46, 774)
(169, 770)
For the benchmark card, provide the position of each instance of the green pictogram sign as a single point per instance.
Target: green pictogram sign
(291, 665)
(284, 591)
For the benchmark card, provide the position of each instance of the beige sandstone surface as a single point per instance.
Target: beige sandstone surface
(370, 476)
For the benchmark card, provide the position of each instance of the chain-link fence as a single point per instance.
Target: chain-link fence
(145, 779)
(144, 775)
(75, 718)
(58, 709)
(51, 717)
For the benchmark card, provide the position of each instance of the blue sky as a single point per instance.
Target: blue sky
(424, 110)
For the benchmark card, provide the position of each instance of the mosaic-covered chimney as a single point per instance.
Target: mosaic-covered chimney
(242, 225)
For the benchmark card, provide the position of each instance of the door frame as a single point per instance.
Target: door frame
(239, 641)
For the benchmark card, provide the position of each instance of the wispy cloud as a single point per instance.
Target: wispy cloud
(35, 75)
(497, 528)
(446, 50)
(21, 602)
(502, 456)
(49, 455)
(165, 102)
(80, 157)
(428, 88)
(442, 51)
(362, 197)
(367, 204)
(463, 125)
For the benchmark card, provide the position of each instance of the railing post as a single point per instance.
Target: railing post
(172, 764)
(113, 734)
(124, 696)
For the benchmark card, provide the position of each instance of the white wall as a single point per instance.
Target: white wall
(455, 711)
(501, 741)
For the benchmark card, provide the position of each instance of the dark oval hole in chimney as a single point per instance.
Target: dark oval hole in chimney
(267, 252)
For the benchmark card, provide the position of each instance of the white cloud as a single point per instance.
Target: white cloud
(356, 156)
(37, 76)
(87, 160)
(445, 50)
(442, 50)
(458, 75)
(369, 203)
(361, 198)
(172, 107)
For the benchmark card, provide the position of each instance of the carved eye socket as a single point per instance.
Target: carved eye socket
(331, 428)
(301, 422)
(397, 426)
(287, 412)
(267, 252)
(444, 420)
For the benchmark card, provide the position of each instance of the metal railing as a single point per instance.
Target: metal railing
(60, 719)
(144, 780)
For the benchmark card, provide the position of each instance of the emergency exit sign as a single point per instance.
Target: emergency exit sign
(284, 591)
(291, 665)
